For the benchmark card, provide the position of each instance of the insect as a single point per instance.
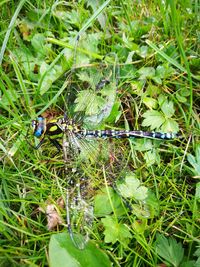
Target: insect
(65, 125)
(77, 137)
(92, 105)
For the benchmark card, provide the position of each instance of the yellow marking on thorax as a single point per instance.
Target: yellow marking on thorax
(53, 128)
(53, 120)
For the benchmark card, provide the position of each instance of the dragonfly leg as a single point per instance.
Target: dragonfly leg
(40, 143)
(57, 145)
(35, 147)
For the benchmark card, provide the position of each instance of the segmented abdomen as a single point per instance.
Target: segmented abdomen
(127, 134)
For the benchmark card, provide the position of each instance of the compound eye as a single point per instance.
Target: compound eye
(38, 127)
(34, 125)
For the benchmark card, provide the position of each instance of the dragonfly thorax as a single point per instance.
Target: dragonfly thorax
(66, 125)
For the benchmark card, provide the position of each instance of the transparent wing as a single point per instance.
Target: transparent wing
(79, 213)
(92, 149)
(79, 210)
(94, 96)
(96, 87)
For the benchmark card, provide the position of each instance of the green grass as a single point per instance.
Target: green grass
(151, 218)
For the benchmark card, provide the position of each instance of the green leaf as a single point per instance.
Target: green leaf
(160, 71)
(87, 42)
(182, 94)
(153, 204)
(153, 90)
(146, 72)
(150, 102)
(48, 76)
(157, 80)
(140, 211)
(16, 145)
(170, 125)
(39, 44)
(28, 61)
(161, 99)
(140, 226)
(82, 98)
(130, 57)
(95, 105)
(151, 157)
(115, 113)
(169, 250)
(92, 77)
(142, 144)
(106, 209)
(153, 119)
(115, 231)
(106, 100)
(132, 188)
(73, 16)
(143, 51)
(167, 108)
(181, 98)
(62, 252)
(148, 208)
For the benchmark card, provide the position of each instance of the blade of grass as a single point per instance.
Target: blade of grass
(64, 44)
(93, 17)
(179, 39)
(21, 83)
(11, 25)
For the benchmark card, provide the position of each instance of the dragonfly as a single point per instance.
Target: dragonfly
(41, 129)
(78, 137)
(92, 105)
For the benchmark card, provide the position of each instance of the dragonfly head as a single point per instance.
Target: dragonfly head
(39, 127)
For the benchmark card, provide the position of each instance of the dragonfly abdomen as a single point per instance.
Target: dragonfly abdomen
(127, 134)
